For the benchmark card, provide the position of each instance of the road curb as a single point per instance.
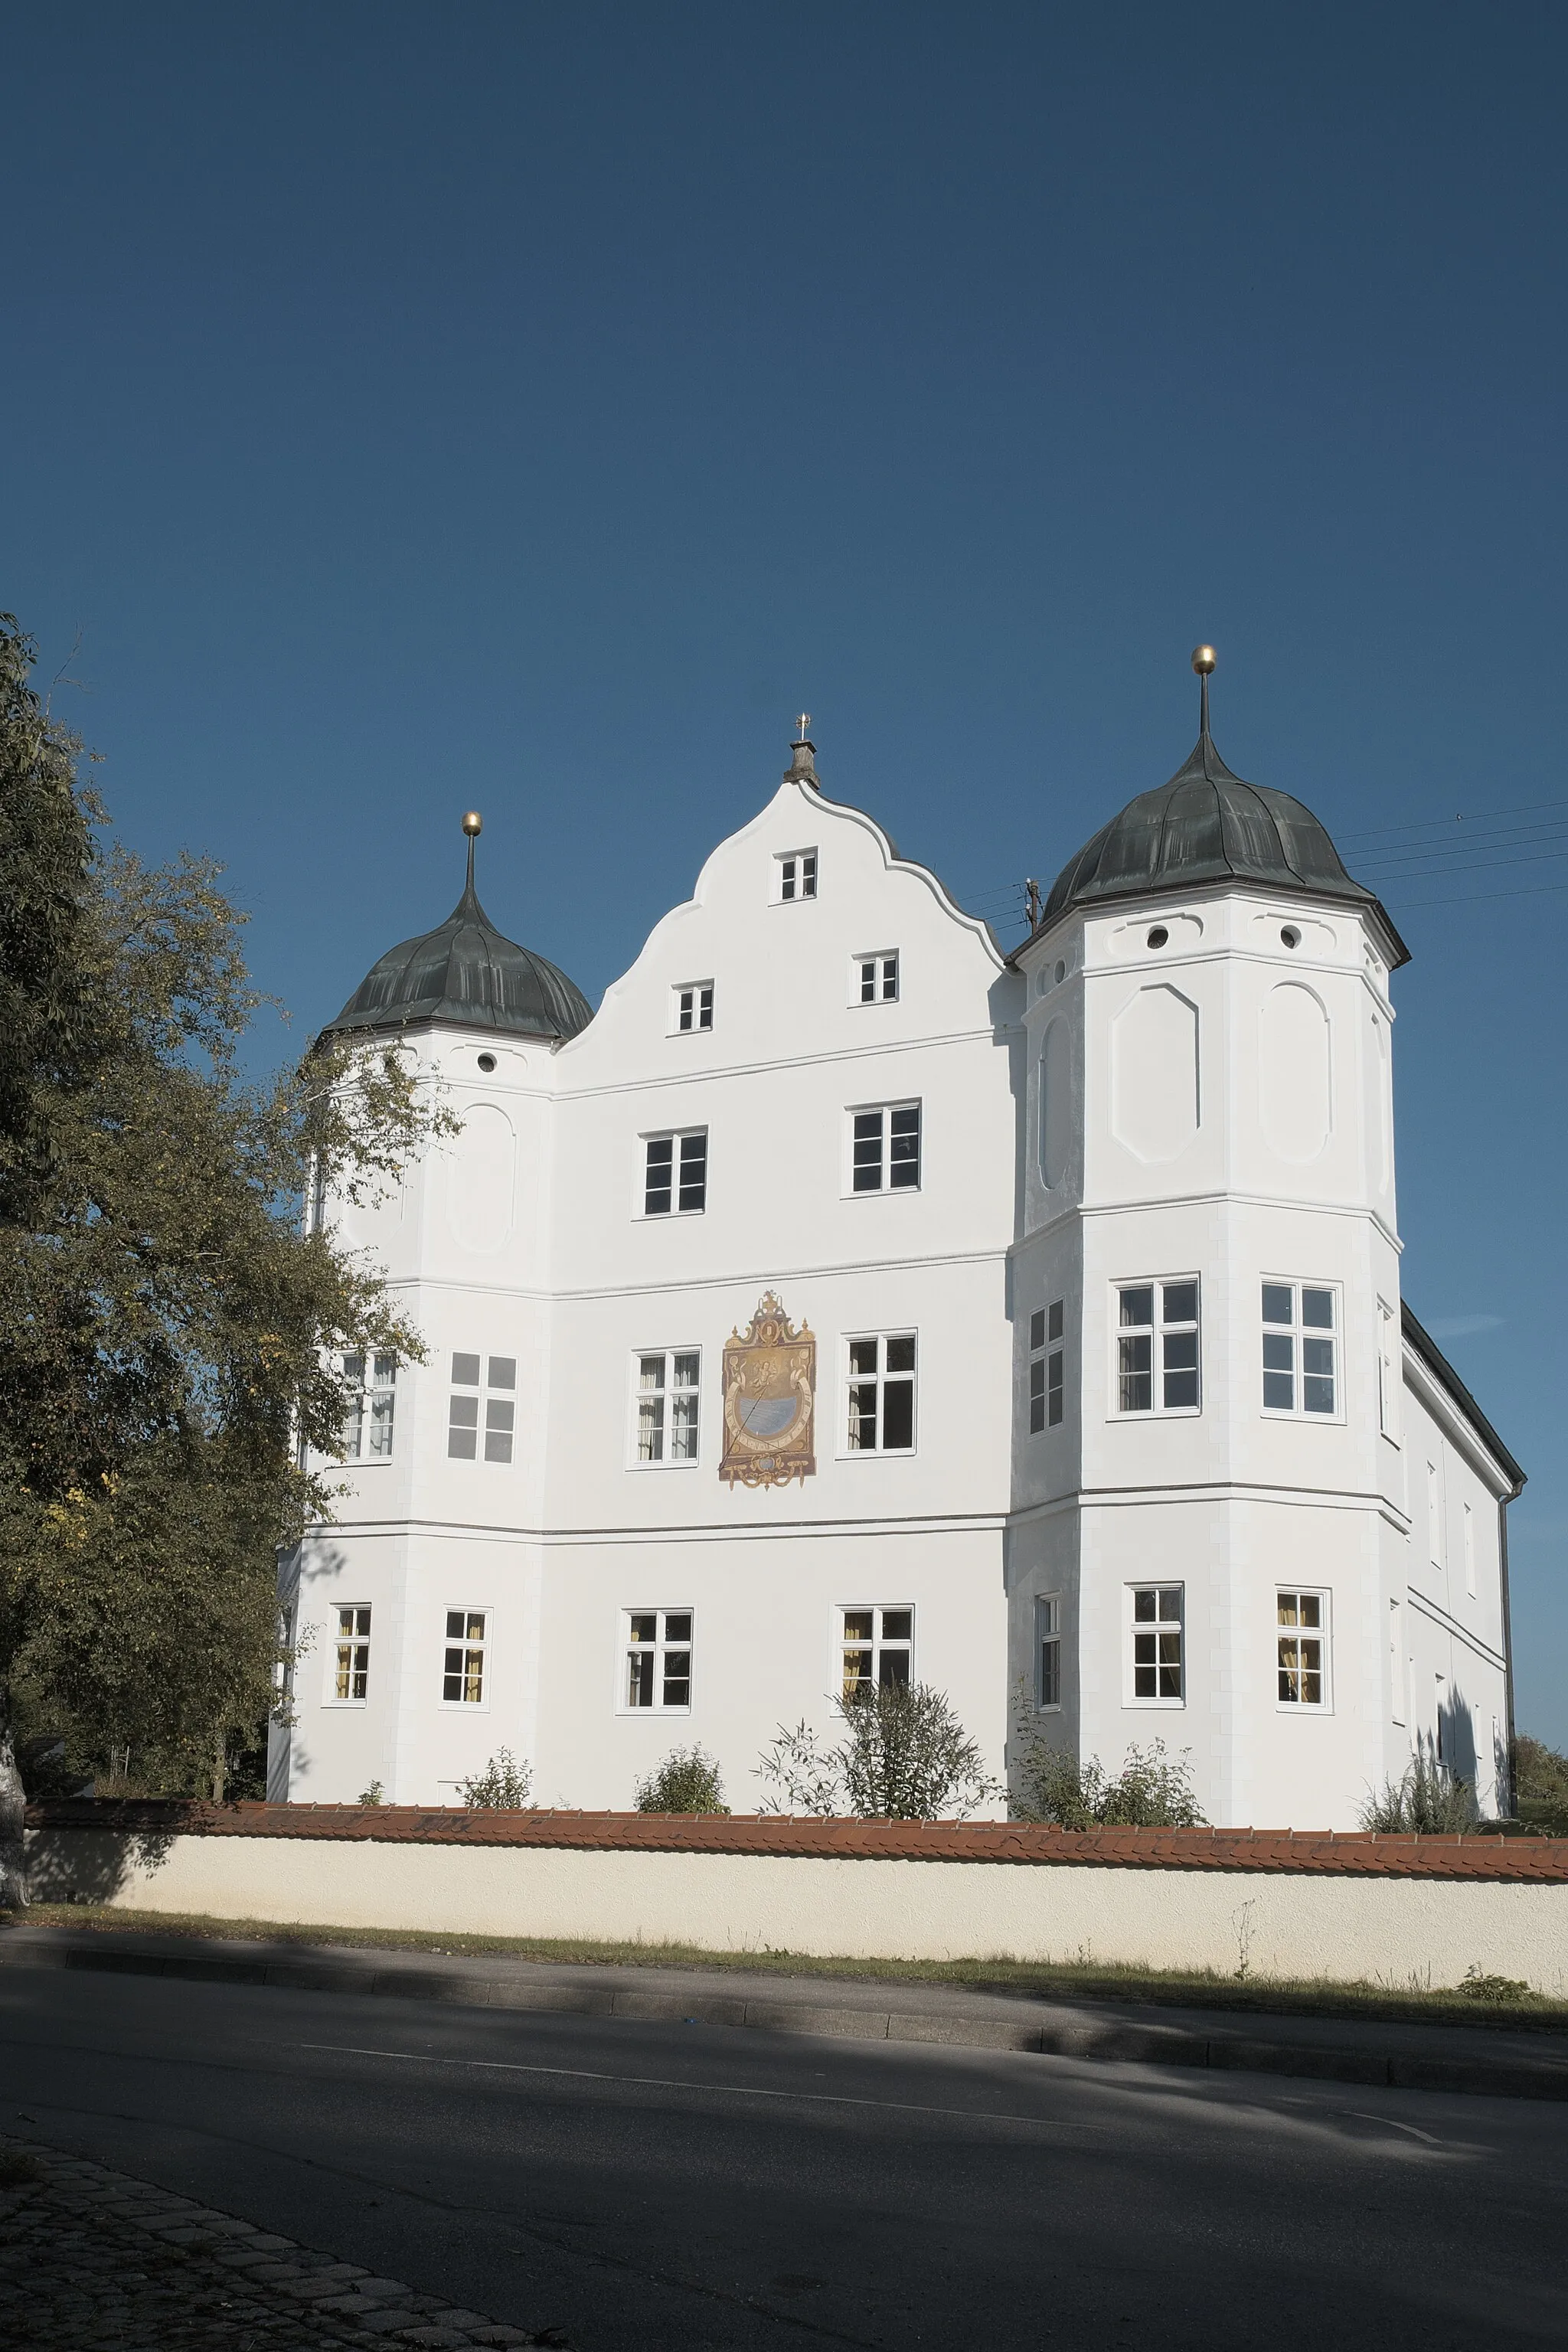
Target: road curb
(1095, 2041)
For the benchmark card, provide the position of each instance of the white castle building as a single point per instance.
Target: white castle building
(850, 1298)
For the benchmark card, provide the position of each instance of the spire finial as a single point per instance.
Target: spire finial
(802, 752)
(473, 826)
(803, 723)
(1203, 662)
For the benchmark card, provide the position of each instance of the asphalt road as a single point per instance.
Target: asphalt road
(649, 2188)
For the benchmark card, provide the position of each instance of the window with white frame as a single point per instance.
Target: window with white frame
(1300, 1348)
(1045, 1367)
(875, 978)
(1433, 1515)
(1396, 1661)
(1303, 1623)
(1159, 1661)
(1048, 1651)
(879, 1647)
(483, 1400)
(658, 1660)
(674, 1176)
(463, 1660)
(691, 1007)
(885, 1148)
(882, 1394)
(796, 874)
(351, 1657)
(367, 1425)
(1470, 1535)
(1389, 1380)
(1157, 1346)
(669, 1385)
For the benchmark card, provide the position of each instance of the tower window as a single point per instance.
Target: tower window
(483, 1397)
(1157, 1347)
(367, 1428)
(1047, 1367)
(1048, 1651)
(1302, 1620)
(351, 1658)
(1301, 1343)
(463, 1661)
(1159, 936)
(1158, 1664)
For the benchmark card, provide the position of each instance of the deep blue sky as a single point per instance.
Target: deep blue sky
(418, 406)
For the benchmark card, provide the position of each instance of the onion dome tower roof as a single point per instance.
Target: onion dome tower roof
(1207, 825)
(465, 971)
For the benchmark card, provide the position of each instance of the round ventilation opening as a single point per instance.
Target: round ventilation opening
(1157, 936)
(1061, 972)
(1289, 935)
(486, 1062)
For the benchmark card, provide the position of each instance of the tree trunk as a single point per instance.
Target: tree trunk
(13, 1851)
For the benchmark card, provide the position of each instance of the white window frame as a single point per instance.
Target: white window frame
(1467, 1531)
(1300, 1333)
(340, 1638)
(1048, 1368)
(1436, 1548)
(880, 1643)
(373, 1412)
(796, 874)
(692, 1008)
(671, 1389)
(465, 1644)
(494, 1408)
(886, 977)
(884, 1188)
(676, 1137)
(1157, 1624)
(660, 1648)
(852, 1380)
(1321, 1632)
(1047, 1636)
(1398, 1696)
(1163, 1329)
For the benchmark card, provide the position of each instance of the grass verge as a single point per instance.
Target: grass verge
(1489, 2001)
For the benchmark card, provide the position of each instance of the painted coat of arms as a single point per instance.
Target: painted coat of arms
(769, 1393)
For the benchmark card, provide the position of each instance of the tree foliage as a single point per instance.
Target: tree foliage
(1541, 1785)
(504, 1786)
(904, 1757)
(1153, 1790)
(168, 1332)
(687, 1781)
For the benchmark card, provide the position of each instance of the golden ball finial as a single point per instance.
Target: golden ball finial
(1203, 659)
(473, 822)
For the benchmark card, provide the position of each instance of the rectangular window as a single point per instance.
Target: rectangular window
(676, 1175)
(885, 1148)
(879, 1647)
(463, 1667)
(667, 1390)
(1300, 1324)
(1395, 1662)
(1302, 1624)
(882, 1394)
(483, 1397)
(1157, 1346)
(350, 1680)
(1434, 1515)
(1469, 1551)
(1048, 1651)
(658, 1660)
(1159, 1667)
(797, 874)
(876, 979)
(1046, 1387)
(367, 1429)
(692, 1006)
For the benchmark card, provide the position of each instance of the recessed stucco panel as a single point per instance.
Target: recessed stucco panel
(1056, 1102)
(481, 1182)
(1155, 1081)
(1295, 1090)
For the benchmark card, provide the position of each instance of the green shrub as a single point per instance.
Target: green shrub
(1541, 1785)
(374, 1795)
(1500, 1991)
(904, 1757)
(1428, 1801)
(687, 1781)
(1153, 1790)
(502, 1787)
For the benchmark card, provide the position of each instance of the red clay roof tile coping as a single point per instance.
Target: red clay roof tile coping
(1341, 1852)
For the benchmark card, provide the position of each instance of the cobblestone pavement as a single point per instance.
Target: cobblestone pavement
(93, 2261)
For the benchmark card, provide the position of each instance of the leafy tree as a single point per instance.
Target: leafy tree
(1153, 1790)
(687, 1781)
(904, 1757)
(1428, 1801)
(1541, 1785)
(502, 1787)
(169, 1334)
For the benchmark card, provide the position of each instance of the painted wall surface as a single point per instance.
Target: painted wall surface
(1395, 1931)
(1194, 1089)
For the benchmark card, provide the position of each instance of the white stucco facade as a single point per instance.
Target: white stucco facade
(1187, 1094)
